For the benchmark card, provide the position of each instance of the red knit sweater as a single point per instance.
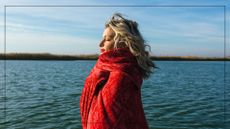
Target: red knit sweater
(111, 97)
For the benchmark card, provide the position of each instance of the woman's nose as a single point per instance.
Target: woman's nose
(101, 43)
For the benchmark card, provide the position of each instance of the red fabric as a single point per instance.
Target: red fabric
(111, 97)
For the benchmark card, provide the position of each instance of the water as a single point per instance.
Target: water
(181, 95)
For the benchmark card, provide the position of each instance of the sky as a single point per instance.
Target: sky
(169, 30)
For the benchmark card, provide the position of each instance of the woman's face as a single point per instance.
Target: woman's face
(107, 42)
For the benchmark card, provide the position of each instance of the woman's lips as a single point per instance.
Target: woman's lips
(102, 50)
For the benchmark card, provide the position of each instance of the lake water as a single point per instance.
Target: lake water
(180, 95)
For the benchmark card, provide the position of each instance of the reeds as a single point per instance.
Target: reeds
(48, 56)
(189, 58)
(45, 56)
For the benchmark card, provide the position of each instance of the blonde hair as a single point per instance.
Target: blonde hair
(128, 35)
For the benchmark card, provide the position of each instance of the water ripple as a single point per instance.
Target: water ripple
(181, 95)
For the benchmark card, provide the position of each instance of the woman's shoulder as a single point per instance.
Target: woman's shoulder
(122, 77)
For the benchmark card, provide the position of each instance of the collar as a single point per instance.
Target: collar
(120, 59)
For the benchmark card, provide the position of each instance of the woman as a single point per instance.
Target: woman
(111, 97)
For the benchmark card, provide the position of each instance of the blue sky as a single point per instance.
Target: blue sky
(170, 31)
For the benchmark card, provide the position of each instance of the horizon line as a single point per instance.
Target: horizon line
(90, 54)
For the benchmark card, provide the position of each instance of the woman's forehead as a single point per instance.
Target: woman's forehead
(108, 32)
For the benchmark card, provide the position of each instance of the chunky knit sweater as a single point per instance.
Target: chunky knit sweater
(111, 97)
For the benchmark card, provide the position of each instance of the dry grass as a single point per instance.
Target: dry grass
(48, 56)
(189, 58)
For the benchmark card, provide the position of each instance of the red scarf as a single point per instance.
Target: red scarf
(111, 97)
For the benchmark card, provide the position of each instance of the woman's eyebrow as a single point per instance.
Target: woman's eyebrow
(107, 36)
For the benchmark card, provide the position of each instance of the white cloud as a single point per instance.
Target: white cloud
(83, 19)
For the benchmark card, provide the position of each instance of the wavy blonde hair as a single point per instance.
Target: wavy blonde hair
(128, 35)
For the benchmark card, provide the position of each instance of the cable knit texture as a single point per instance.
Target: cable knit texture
(111, 97)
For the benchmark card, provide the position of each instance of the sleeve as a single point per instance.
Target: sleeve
(112, 101)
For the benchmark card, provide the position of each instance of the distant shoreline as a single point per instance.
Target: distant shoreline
(48, 56)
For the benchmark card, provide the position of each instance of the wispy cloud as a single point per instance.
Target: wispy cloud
(78, 29)
(42, 42)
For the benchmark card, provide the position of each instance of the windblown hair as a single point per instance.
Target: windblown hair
(128, 35)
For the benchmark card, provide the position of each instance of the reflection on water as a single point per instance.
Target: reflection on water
(181, 94)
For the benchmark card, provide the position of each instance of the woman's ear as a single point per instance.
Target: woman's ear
(121, 45)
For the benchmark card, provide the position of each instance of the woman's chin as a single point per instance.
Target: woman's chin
(102, 51)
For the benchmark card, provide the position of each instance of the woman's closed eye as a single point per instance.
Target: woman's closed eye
(109, 39)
